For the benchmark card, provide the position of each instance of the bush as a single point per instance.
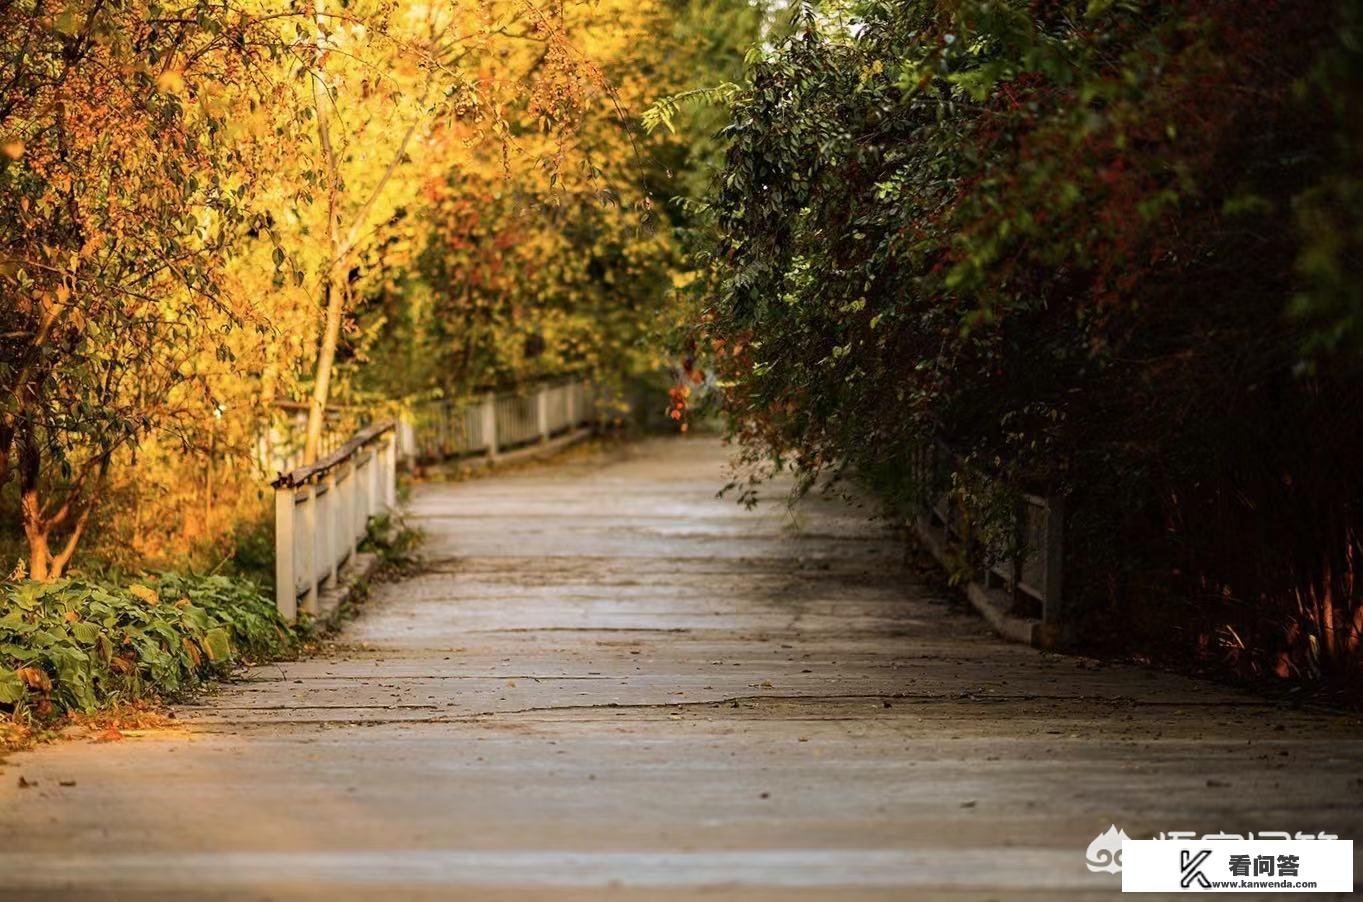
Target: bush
(1104, 250)
(76, 645)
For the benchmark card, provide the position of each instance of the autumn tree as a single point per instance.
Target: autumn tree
(400, 90)
(120, 196)
(554, 244)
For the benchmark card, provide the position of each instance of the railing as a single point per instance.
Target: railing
(1026, 564)
(497, 422)
(279, 446)
(323, 510)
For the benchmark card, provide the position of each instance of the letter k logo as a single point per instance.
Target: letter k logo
(1191, 863)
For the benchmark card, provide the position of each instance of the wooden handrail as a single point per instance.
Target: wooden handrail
(323, 510)
(958, 527)
(303, 475)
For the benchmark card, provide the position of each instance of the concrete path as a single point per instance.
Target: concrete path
(608, 684)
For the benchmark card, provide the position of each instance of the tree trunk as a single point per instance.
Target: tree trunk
(336, 283)
(40, 525)
(337, 289)
(44, 565)
(39, 551)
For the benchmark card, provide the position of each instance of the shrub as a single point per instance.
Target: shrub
(76, 645)
(1102, 249)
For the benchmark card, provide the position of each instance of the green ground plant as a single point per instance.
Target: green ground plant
(76, 645)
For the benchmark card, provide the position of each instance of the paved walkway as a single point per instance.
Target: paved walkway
(609, 684)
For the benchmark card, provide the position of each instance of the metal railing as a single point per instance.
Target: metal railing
(1026, 562)
(323, 510)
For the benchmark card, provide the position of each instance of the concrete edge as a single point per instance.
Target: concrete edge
(992, 604)
(528, 452)
(329, 601)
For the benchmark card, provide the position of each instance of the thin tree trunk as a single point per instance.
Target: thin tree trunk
(326, 357)
(35, 533)
(334, 277)
(342, 247)
(40, 522)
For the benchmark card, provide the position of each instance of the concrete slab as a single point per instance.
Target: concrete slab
(610, 684)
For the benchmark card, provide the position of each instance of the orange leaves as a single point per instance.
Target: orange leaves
(144, 593)
(35, 678)
(171, 82)
(677, 402)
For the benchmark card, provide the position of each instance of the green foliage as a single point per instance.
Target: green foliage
(1066, 238)
(663, 113)
(1329, 301)
(393, 541)
(76, 645)
(516, 270)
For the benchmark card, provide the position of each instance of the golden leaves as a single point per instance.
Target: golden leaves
(35, 678)
(146, 594)
(171, 82)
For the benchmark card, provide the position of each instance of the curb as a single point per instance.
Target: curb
(991, 603)
(527, 452)
(330, 600)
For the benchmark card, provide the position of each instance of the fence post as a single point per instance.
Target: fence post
(570, 402)
(489, 412)
(1019, 538)
(310, 532)
(286, 598)
(352, 509)
(374, 490)
(542, 412)
(329, 543)
(1053, 591)
(390, 473)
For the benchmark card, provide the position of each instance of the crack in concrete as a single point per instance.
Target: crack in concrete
(735, 701)
(408, 678)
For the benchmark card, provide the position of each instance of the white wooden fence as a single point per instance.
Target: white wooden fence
(498, 422)
(323, 510)
(1030, 564)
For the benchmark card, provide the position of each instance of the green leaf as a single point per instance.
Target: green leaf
(217, 644)
(12, 689)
